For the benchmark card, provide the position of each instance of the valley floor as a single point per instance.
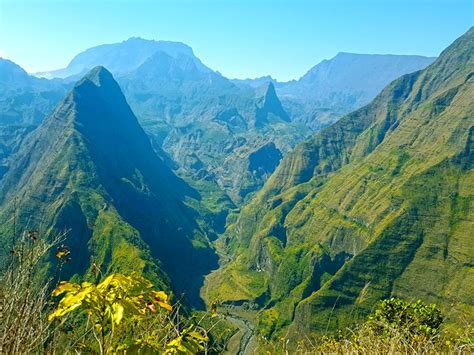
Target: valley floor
(244, 341)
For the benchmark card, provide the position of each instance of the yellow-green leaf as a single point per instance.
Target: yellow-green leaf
(117, 314)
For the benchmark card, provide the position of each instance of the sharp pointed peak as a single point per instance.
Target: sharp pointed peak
(101, 79)
(98, 75)
(270, 88)
(270, 92)
(266, 90)
(97, 90)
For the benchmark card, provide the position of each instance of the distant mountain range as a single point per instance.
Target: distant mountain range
(351, 80)
(182, 104)
(121, 58)
(255, 83)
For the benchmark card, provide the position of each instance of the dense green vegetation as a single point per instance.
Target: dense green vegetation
(394, 327)
(377, 205)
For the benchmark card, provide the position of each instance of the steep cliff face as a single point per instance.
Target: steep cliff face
(379, 204)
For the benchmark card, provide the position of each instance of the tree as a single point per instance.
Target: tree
(126, 302)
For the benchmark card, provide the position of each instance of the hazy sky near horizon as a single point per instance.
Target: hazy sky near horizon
(239, 38)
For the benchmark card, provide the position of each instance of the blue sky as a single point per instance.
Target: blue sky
(239, 38)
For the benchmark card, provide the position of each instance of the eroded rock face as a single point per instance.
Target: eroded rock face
(238, 163)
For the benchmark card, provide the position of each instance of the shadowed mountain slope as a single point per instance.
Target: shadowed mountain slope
(90, 168)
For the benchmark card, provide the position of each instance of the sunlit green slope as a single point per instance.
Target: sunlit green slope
(379, 204)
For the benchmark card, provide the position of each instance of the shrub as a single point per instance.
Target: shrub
(395, 327)
(125, 313)
(413, 318)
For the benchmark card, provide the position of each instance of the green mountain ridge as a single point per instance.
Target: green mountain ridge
(208, 125)
(90, 168)
(379, 204)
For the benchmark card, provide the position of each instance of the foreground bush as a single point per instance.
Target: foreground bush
(364, 340)
(411, 318)
(119, 306)
(395, 327)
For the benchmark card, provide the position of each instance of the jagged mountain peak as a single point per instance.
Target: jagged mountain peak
(255, 83)
(97, 100)
(98, 76)
(269, 103)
